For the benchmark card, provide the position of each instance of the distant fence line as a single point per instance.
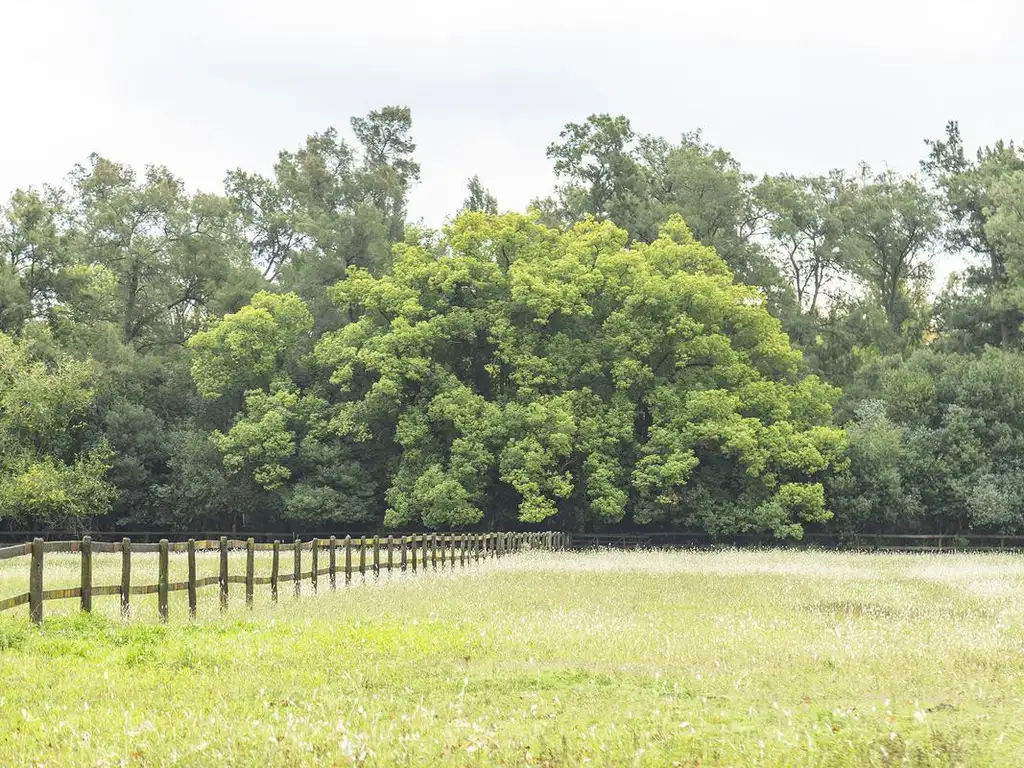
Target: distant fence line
(904, 542)
(882, 542)
(401, 552)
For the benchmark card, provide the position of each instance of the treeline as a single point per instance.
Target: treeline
(666, 340)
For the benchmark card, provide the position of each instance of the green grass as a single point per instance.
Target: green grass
(601, 659)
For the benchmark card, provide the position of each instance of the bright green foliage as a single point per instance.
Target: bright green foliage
(587, 365)
(278, 440)
(566, 373)
(47, 477)
(247, 349)
(611, 173)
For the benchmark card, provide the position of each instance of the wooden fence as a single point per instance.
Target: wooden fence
(880, 542)
(372, 554)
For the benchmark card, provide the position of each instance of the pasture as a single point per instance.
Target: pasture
(737, 658)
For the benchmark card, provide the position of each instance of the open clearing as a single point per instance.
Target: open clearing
(603, 658)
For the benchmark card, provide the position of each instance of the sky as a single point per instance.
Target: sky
(206, 85)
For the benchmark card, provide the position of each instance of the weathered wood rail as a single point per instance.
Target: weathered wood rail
(404, 553)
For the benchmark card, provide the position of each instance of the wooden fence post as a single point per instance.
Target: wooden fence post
(87, 574)
(402, 551)
(412, 542)
(315, 552)
(298, 567)
(460, 541)
(191, 548)
(161, 582)
(433, 551)
(348, 559)
(362, 556)
(250, 567)
(376, 555)
(126, 576)
(35, 582)
(275, 569)
(391, 554)
(223, 573)
(333, 565)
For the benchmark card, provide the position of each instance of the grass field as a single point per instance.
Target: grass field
(538, 659)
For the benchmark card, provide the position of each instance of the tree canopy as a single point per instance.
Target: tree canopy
(664, 340)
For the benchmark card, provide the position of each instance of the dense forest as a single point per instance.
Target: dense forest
(664, 340)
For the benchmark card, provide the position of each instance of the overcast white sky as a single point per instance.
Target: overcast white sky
(207, 85)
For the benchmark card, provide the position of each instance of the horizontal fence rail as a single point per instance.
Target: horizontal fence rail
(881, 542)
(361, 556)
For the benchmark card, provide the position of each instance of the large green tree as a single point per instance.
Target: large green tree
(529, 372)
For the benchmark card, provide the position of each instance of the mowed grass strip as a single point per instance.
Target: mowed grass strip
(608, 658)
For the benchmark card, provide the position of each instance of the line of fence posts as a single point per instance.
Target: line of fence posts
(422, 549)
